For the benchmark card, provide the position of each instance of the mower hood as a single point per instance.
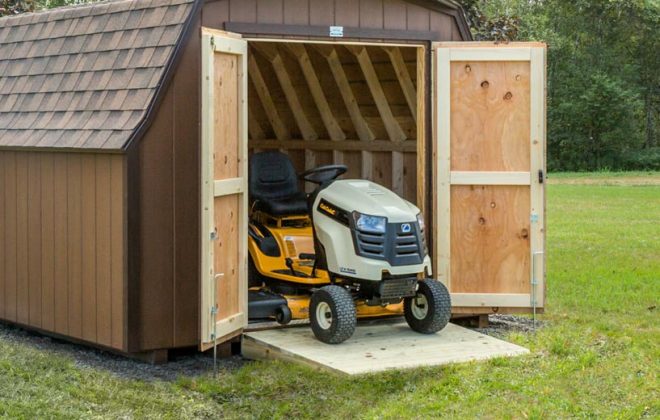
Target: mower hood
(369, 198)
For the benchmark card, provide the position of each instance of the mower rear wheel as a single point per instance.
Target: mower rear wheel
(332, 314)
(429, 310)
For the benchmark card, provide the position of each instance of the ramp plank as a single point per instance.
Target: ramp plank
(377, 347)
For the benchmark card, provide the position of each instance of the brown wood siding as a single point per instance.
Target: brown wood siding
(168, 291)
(62, 242)
(367, 14)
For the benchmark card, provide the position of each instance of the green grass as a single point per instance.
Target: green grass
(597, 356)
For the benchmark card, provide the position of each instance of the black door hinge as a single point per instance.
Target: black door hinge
(540, 176)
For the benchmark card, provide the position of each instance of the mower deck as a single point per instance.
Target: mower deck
(376, 346)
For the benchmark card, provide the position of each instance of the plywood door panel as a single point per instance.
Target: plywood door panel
(489, 147)
(490, 117)
(225, 123)
(224, 186)
(490, 236)
(226, 255)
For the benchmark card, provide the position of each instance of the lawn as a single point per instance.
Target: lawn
(597, 354)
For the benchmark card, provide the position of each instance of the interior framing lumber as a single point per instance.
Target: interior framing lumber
(393, 128)
(329, 121)
(407, 85)
(281, 132)
(341, 145)
(353, 96)
(361, 126)
(272, 54)
(334, 130)
(254, 128)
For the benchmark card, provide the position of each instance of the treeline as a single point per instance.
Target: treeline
(603, 75)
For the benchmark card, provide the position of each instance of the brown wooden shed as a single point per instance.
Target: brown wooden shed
(106, 113)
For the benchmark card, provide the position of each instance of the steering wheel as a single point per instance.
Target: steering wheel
(324, 173)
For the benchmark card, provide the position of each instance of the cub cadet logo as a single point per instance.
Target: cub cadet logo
(328, 209)
(347, 270)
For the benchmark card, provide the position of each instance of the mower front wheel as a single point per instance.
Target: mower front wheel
(332, 314)
(429, 310)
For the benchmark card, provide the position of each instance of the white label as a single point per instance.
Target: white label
(337, 31)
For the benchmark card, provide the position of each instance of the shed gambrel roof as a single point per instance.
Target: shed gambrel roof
(85, 77)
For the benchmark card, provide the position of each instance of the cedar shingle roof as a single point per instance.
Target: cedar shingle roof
(85, 76)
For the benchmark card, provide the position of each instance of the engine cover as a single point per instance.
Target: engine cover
(399, 250)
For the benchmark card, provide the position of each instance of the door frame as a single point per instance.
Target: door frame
(212, 331)
(443, 54)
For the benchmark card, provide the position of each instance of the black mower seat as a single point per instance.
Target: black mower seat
(274, 185)
(289, 206)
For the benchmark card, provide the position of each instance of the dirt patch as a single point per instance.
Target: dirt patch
(190, 364)
(501, 325)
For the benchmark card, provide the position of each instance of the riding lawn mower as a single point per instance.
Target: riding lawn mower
(350, 249)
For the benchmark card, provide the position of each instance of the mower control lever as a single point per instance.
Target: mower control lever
(289, 263)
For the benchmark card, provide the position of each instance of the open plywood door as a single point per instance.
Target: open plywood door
(489, 173)
(224, 187)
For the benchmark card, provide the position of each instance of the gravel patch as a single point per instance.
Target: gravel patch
(501, 325)
(189, 364)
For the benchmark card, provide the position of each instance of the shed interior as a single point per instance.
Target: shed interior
(324, 103)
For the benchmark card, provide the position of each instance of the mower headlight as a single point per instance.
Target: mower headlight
(420, 221)
(366, 223)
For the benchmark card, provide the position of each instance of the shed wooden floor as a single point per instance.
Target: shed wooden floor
(376, 346)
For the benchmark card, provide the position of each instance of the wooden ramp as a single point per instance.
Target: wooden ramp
(375, 347)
